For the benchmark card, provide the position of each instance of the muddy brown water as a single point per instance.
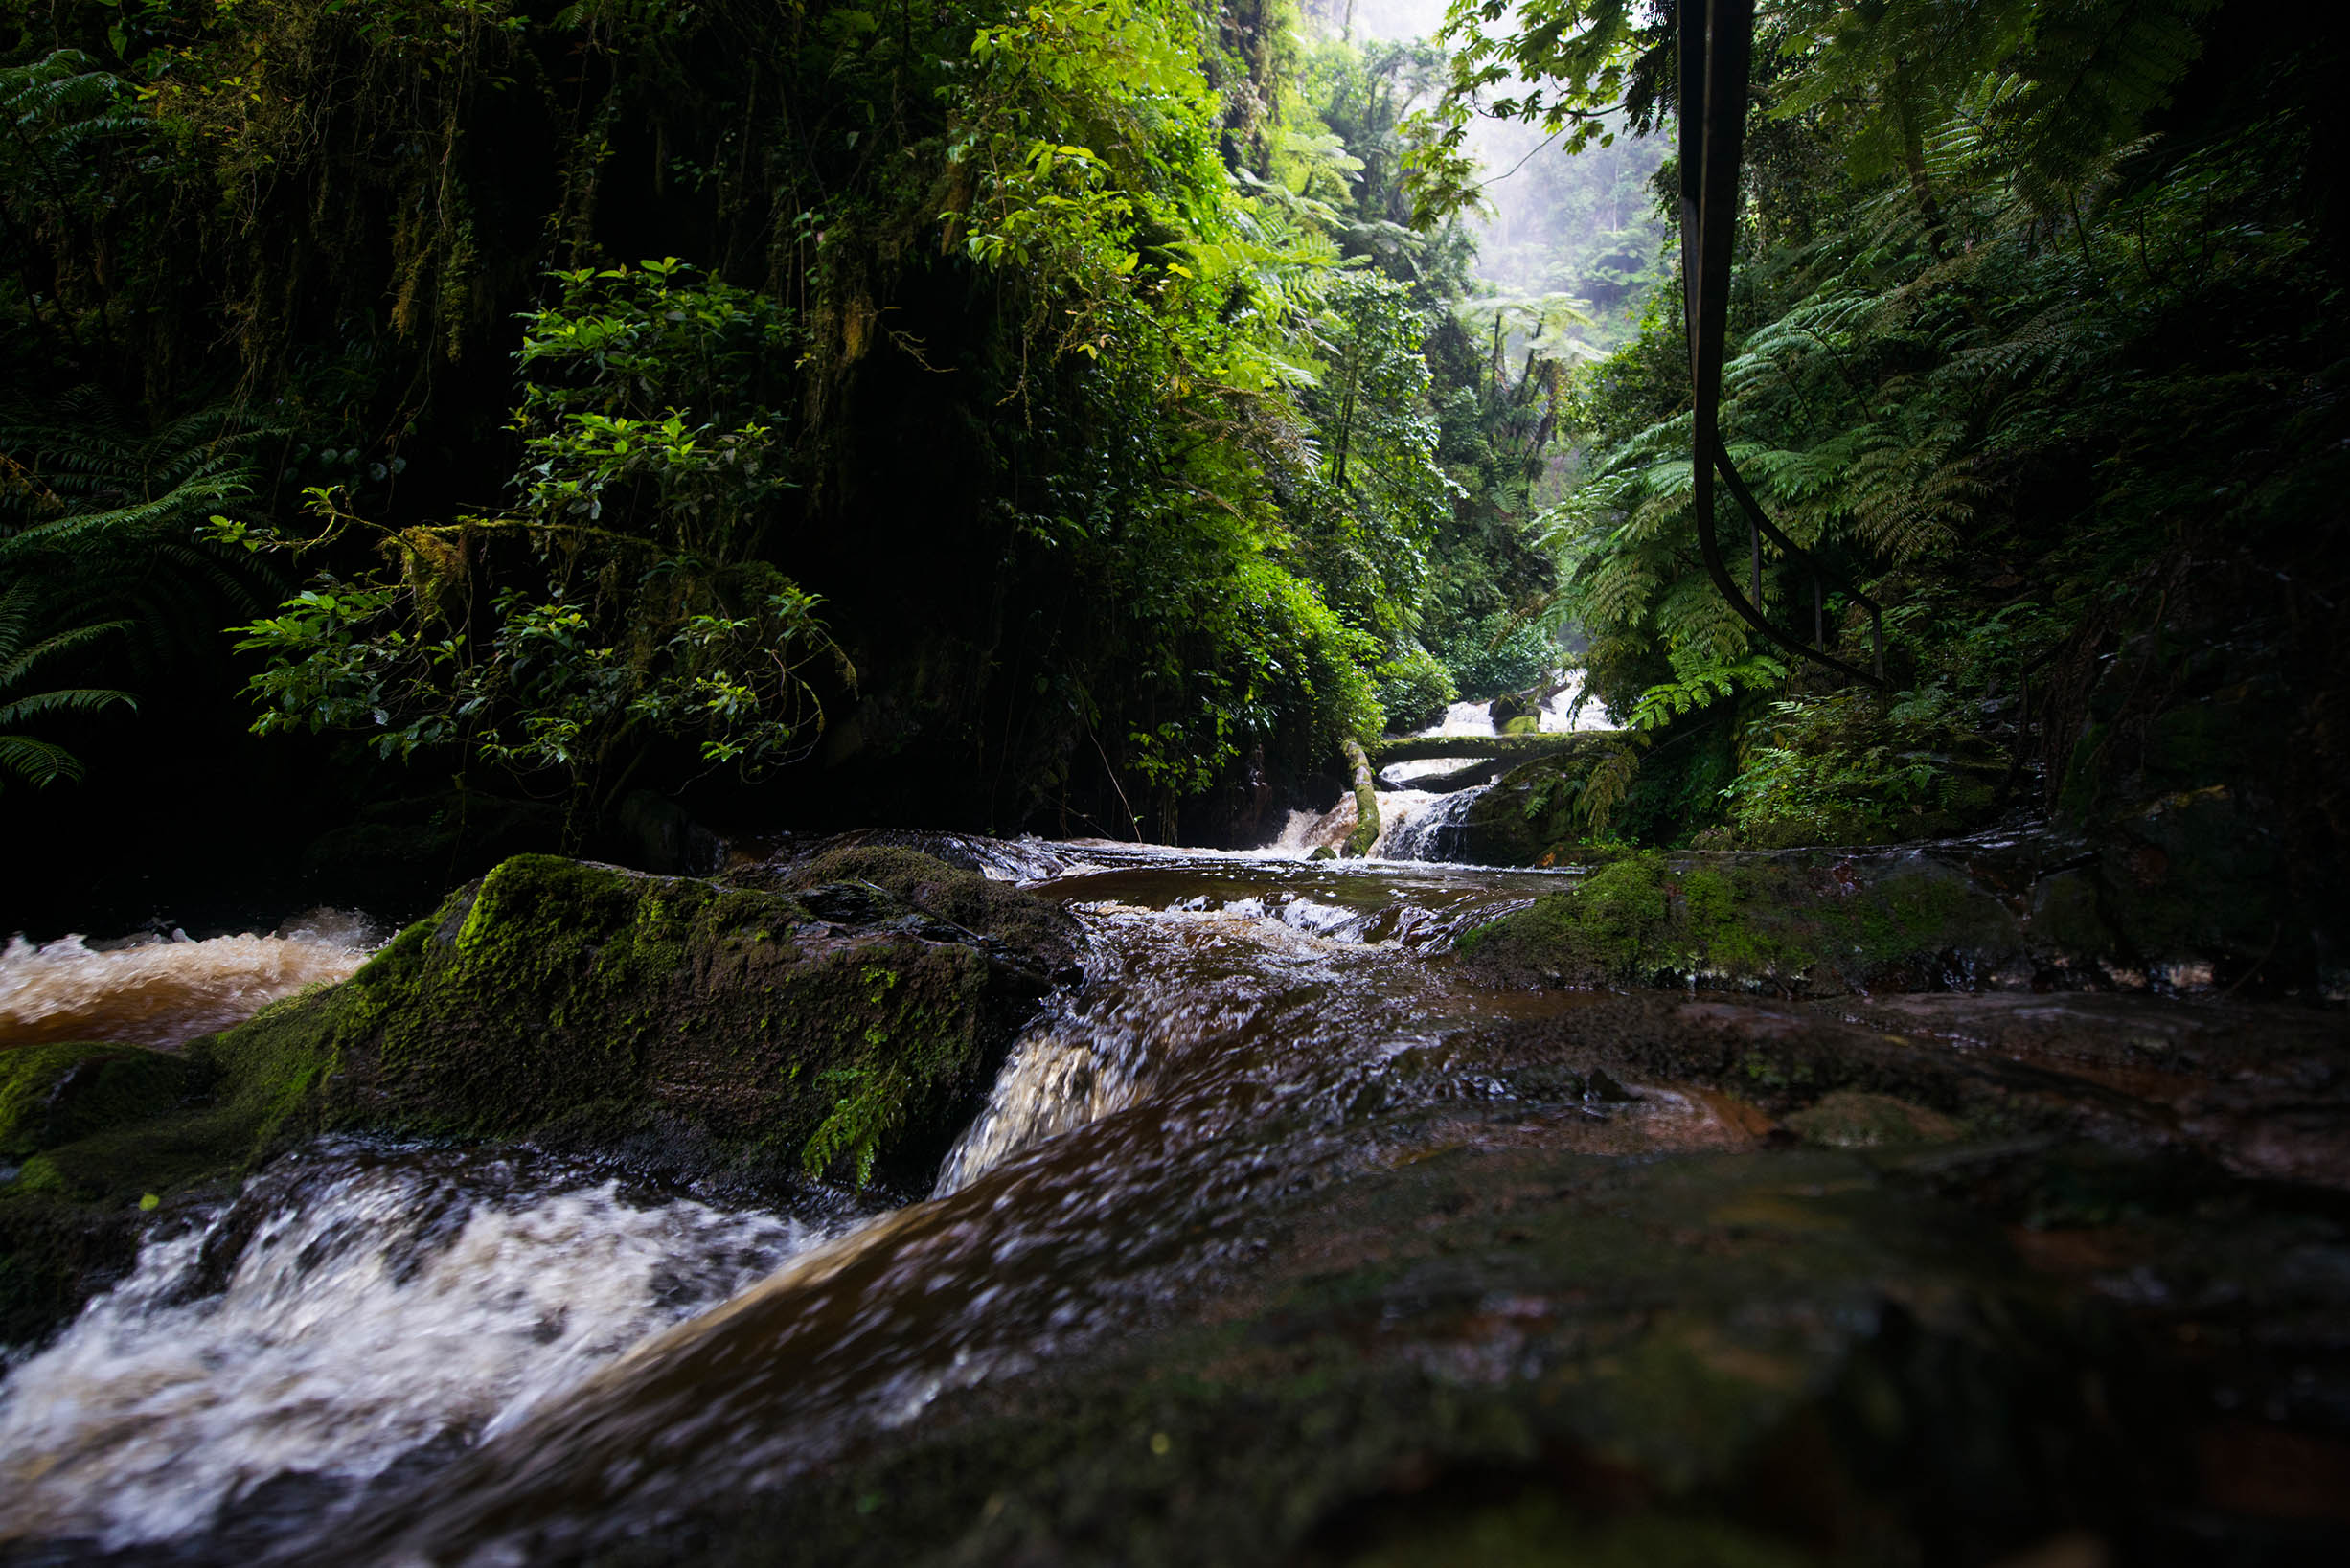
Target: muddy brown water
(1264, 1051)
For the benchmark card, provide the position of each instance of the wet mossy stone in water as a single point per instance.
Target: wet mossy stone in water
(71, 1180)
(1820, 923)
(844, 1027)
(845, 1022)
(55, 1094)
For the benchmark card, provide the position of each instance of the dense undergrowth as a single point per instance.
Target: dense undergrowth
(2035, 336)
(1006, 414)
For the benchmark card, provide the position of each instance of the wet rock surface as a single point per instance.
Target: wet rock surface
(1361, 1252)
(1477, 1322)
(840, 1019)
(1643, 1279)
(2009, 911)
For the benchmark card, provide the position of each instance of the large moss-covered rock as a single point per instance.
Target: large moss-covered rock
(842, 1019)
(1821, 924)
(843, 1023)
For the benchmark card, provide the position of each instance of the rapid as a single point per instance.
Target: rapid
(1272, 1213)
(498, 1331)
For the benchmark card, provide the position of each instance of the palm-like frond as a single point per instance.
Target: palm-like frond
(34, 761)
(37, 762)
(73, 699)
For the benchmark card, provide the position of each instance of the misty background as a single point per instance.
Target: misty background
(1561, 234)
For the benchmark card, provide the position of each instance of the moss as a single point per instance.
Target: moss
(573, 1001)
(1746, 921)
(55, 1093)
(691, 1029)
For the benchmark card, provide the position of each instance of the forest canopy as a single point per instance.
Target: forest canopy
(579, 397)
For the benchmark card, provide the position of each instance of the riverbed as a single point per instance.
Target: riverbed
(1280, 1235)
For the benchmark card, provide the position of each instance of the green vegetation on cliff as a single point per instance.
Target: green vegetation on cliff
(1025, 413)
(2030, 336)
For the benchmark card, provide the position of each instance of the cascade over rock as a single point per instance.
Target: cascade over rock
(844, 1018)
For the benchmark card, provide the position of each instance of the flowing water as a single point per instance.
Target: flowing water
(503, 1330)
(402, 1355)
(166, 991)
(357, 1311)
(1428, 824)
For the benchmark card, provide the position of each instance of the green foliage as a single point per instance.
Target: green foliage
(27, 757)
(1578, 68)
(1975, 355)
(641, 607)
(99, 554)
(1376, 499)
(1414, 690)
(1844, 769)
(1660, 705)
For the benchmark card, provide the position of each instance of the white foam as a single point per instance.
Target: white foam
(376, 1308)
(166, 991)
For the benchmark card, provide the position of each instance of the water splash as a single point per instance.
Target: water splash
(1438, 831)
(168, 991)
(1304, 832)
(354, 1308)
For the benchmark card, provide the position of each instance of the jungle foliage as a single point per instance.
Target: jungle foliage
(2035, 301)
(1011, 411)
(1085, 416)
(1027, 401)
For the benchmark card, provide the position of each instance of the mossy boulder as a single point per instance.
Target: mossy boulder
(55, 1094)
(66, 1230)
(1527, 811)
(1819, 922)
(843, 1020)
(843, 1023)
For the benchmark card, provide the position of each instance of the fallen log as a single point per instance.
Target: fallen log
(1515, 748)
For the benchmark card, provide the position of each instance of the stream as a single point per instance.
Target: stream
(363, 1315)
(410, 1355)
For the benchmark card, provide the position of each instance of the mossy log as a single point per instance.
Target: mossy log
(1366, 800)
(1516, 748)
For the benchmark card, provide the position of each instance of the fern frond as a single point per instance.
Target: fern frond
(74, 700)
(20, 663)
(37, 762)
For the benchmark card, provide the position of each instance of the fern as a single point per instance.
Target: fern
(24, 757)
(1659, 705)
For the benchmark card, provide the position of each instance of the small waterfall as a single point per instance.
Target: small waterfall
(166, 991)
(1439, 831)
(1058, 1078)
(356, 1309)
(1082, 1062)
(1399, 811)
